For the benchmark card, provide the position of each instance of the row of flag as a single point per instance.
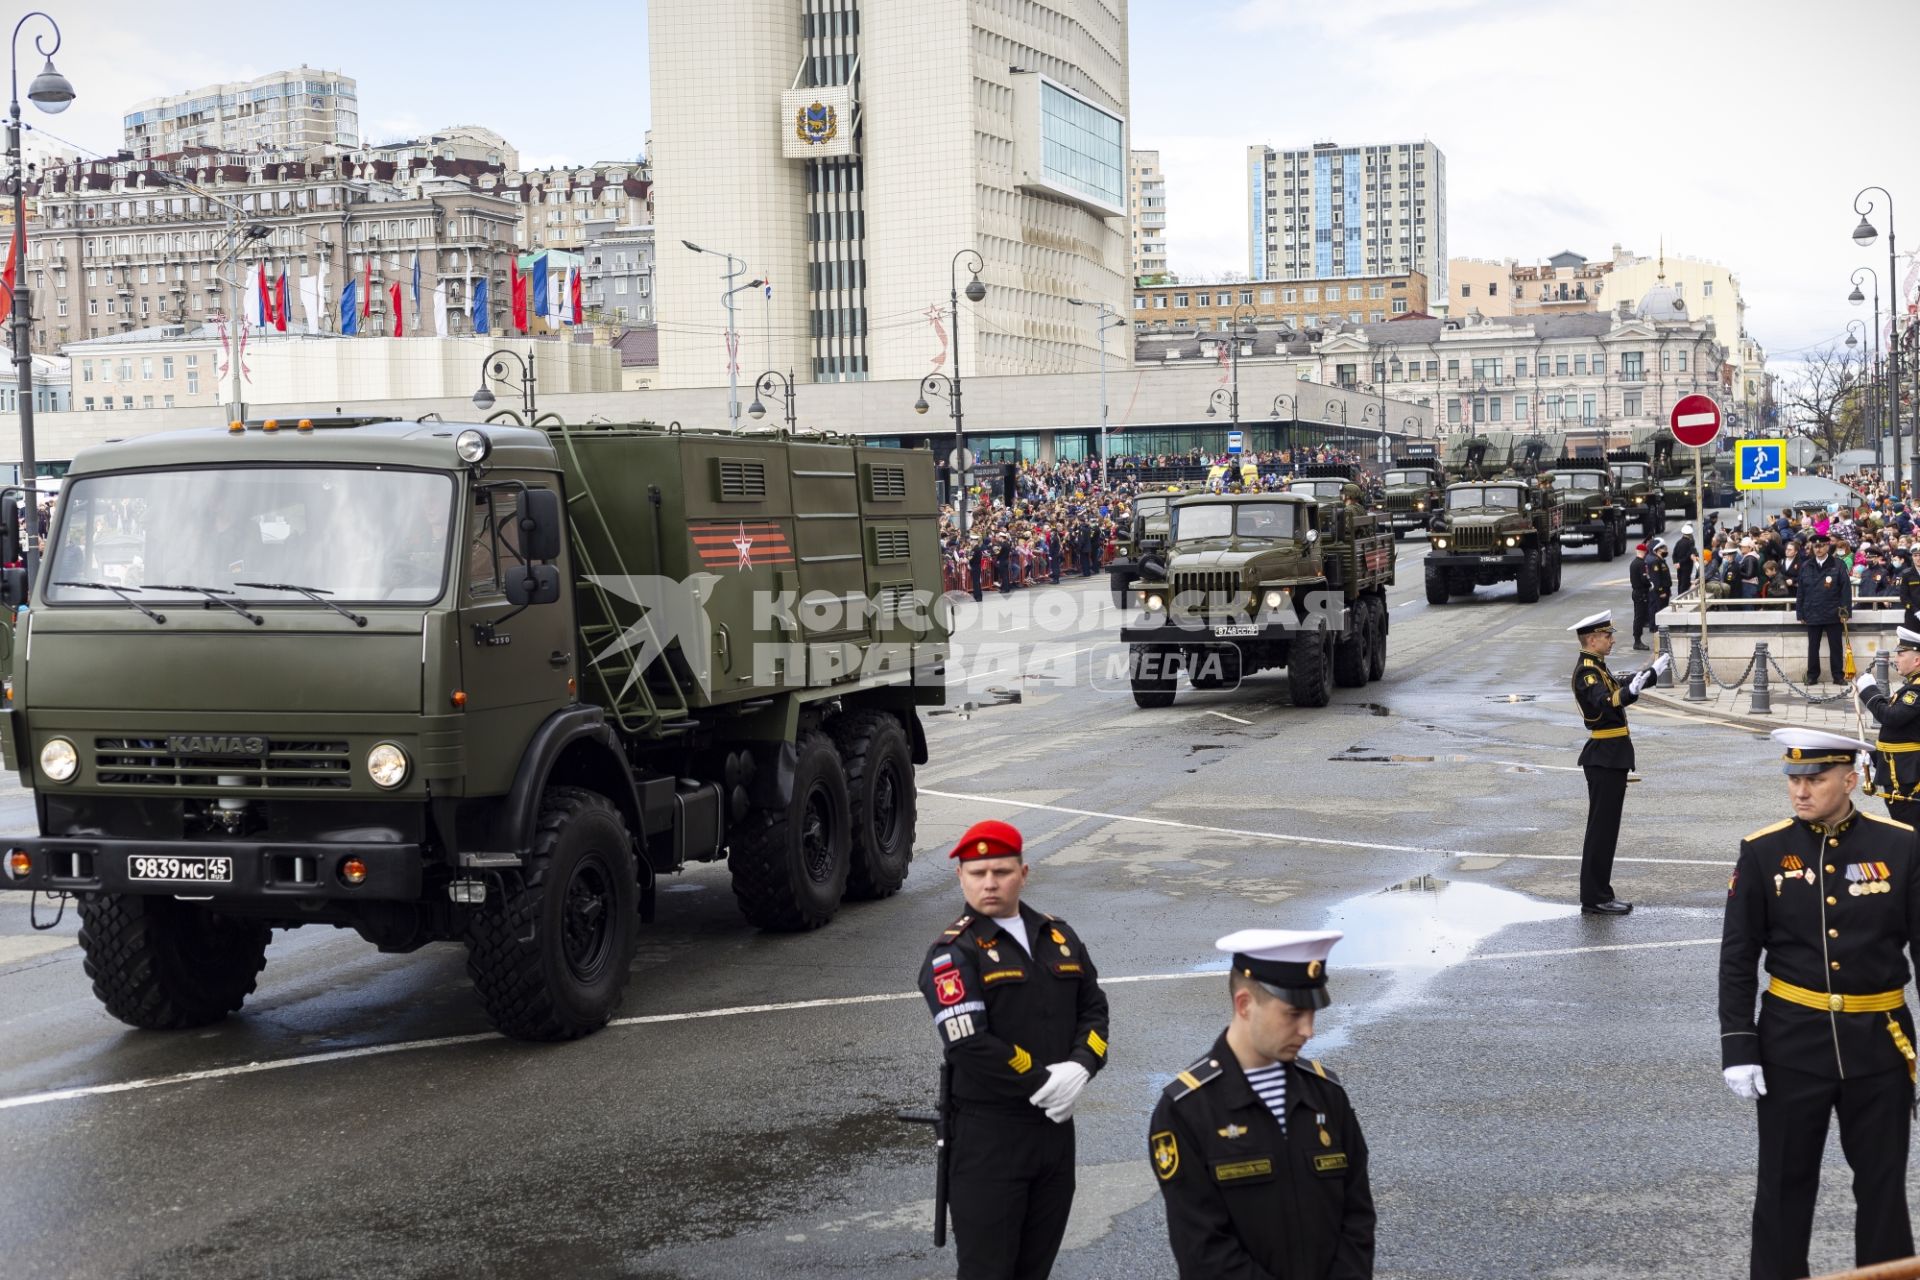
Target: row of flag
(552, 294)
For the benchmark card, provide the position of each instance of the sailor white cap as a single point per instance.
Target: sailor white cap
(1593, 622)
(1909, 638)
(1815, 750)
(1289, 963)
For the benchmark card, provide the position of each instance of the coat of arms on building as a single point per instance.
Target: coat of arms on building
(816, 124)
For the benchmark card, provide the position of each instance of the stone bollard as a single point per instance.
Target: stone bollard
(1762, 703)
(1665, 679)
(1880, 674)
(1696, 673)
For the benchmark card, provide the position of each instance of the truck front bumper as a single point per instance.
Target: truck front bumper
(252, 870)
(1472, 559)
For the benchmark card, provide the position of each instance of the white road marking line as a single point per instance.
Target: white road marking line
(1224, 716)
(1404, 603)
(736, 1011)
(1298, 839)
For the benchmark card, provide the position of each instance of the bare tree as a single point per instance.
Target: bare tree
(1827, 399)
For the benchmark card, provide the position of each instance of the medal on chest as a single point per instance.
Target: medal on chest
(1869, 878)
(1320, 1119)
(1060, 939)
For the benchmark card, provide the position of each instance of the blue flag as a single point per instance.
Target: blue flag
(540, 285)
(481, 322)
(416, 282)
(350, 309)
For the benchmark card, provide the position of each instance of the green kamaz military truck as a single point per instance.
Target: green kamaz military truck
(1638, 490)
(1413, 487)
(1496, 531)
(483, 684)
(1258, 581)
(1596, 517)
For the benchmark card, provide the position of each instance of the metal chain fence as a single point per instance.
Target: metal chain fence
(1813, 699)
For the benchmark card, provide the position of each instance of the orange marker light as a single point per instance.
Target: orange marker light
(19, 864)
(306, 424)
(236, 428)
(271, 424)
(459, 699)
(353, 871)
(571, 687)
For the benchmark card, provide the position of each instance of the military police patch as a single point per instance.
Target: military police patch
(1166, 1154)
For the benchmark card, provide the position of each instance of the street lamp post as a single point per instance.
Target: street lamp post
(735, 267)
(1864, 235)
(767, 382)
(933, 383)
(1341, 405)
(1879, 425)
(1868, 412)
(1293, 426)
(483, 399)
(1107, 321)
(51, 92)
(1221, 395)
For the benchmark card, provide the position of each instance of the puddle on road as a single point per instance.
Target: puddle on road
(1513, 697)
(1368, 708)
(1196, 748)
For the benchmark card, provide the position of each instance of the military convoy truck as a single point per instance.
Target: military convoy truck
(1139, 545)
(1259, 581)
(1496, 531)
(1638, 490)
(1595, 516)
(1414, 486)
(484, 684)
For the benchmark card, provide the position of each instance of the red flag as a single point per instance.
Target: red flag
(574, 277)
(366, 294)
(519, 283)
(266, 298)
(280, 303)
(7, 276)
(399, 312)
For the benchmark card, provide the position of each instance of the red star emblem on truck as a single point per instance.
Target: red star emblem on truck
(743, 543)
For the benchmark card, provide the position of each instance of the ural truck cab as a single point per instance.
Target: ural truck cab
(1494, 531)
(1414, 487)
(1595, 517)
(482, 684)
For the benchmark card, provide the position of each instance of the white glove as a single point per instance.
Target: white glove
(1863, 682)
(1639, 682)
(1056, 1097)
(1747, 1082)
(1661, 663)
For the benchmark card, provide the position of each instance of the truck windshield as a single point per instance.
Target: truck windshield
(1631, 470)
(1153, 511)
(1577, 479)
(1317, 488)
(358, 533)
(1405, 477)
(1478, 497)
(1245, 520)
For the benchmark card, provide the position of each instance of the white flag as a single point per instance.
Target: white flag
(440, 309)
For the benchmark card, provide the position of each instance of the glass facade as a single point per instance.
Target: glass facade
(1082, 147)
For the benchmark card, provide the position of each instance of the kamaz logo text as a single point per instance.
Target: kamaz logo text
(216, 744)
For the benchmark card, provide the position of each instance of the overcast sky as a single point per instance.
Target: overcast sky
(1738, 129)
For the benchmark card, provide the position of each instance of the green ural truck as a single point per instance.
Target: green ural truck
(1596, 517)
(1257, 581)
(1414, 486)
(1495, 531)
(485, 684)
(1138, 549)
(1640, 494)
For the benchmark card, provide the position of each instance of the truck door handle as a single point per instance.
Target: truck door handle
(560, 657)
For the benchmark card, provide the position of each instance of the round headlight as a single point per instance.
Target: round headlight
(1275, 599)
(1155, 603)
(59, 761)
(472, 446)
(1440, 543)
(387, 765)
(1419, 506)
(1513, 542)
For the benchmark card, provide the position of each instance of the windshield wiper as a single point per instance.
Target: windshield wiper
(123, 592)
(316, 594)
(214, 595)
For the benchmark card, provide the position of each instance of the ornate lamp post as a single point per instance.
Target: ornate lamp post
(939, 384)
(765, 387)
(1873, 375)
(495, 365)
(1864, 235)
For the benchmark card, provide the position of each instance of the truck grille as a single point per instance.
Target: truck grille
(1473, 538)
(289, 765)
(1399, 502)
(1208, 591)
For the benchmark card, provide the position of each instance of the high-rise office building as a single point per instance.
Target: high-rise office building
(284, 110)
(1329, 210)
(844, 151)
(1147, 201)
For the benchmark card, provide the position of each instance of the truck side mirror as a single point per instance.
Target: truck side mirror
(9, 528)
(13, 587)
(538, 516)
(533, 584)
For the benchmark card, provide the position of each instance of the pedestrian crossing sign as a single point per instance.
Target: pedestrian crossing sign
(1759, 464)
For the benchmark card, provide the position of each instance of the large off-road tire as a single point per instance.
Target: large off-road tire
(1526, 583)
(1310, 669)
(1377, 651)
(790, 865)
(163, 964)
(881, 799)
(1149, 691)
(550, 956)
(1215, 667)
(1350, 651)
(1550, 571)
(1605, 544)
(1436, 585)
(1460, 582)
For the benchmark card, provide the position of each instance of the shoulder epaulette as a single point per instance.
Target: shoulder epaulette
(954, 929)
(1890, 822)
(1781, 825)
(1322, 1070)
(1203, 1070)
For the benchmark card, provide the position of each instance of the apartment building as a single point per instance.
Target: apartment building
(1147, 209)
(1330, 210)
(282, 111)
(1299, 305)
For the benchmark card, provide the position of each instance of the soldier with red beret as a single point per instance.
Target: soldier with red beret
(1019, 1013)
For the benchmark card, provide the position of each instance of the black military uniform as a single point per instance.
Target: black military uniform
(1907, 583)
(1835, 910)
(1641, 584)
(1607, 759)
(1003, 1016)
(1659, 585)
(1896, 757)
(1684, 554)
(1823, 599)
(1247, 1197)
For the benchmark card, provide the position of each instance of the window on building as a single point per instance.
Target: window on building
(1683, 368)
(146, 402)
(1399, 306)
(1493, 289)
(1206, 299)
(1159, 304)
(193, 382)
(1706, 288)
(126, 402)
(166, 402)
(1246, 297)
(146, 368)
(1519, 408)
(1313, 294)
(1586, 409)
(1286, 295)
(86, 371)
(1599, 363)
(1553, 408)
(1560, 365)
(126, 370)
(1580, 364)
(1433, 370)
(1630, 404)
(1182, 300)
(1453, 370)
(1376, 317)
(1666, 362)
(1519, 366)
(1453, 411)
(1466, 290)
(166, 367)
(1139, 302)
(1493, 409)
(93, 306)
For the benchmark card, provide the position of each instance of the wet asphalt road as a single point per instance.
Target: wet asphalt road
(1540, 1090)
